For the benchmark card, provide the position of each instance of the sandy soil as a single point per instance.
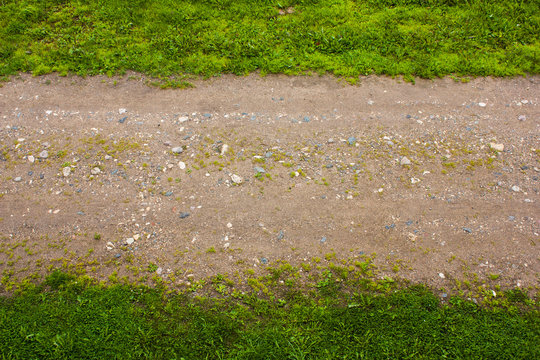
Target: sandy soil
(437, 181)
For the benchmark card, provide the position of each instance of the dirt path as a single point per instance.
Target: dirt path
(437, 181)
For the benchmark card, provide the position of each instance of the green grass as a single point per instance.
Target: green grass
(69, 318)
(163, 38)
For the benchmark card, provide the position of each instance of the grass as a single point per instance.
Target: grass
(74, 318)
(172, 39)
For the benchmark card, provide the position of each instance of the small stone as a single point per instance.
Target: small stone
(66, 171)
(182, 165)
(130, 241)
(259, 170)
(482, 104)
(331, 141)
(110, 245)
(95, 171)
(229, 226)
(306, 119)
(44, 154)
(496, 147)
(467, 230)
(237, 179)
(415, 180)
(122, 120)
(323, 239)
(18, 179)
(122, 111)
(117, 256)
(184, 215)
(351, 140)
(264, 260)
(31, 159)
(268, 154)
(224, 149)
(522, 117)
(80, 213)
(405, 161)
(177, 150)
(388, 227)
(515, 188)
(169, 193)
(441, 275)
(281, 235)
(511, 218)
(159, 270)
(182, 119)
(136, 237)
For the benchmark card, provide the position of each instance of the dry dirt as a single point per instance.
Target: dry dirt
(336, 184)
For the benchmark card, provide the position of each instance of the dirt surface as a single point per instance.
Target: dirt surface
(436, 181)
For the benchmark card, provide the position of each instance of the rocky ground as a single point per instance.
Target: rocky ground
(435, 182)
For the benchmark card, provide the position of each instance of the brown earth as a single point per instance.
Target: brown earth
(336, 184)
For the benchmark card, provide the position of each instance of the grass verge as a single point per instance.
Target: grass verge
(172, 38)
(75, 318)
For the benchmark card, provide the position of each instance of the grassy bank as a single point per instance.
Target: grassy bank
(425, 38)
(70, 318)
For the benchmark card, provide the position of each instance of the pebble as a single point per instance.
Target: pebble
(388, 227)
(351, 140)
(122, 120)
(441, 275)
(117, 256)
(182, 165)
(259, 170)
(323, 239)
(415, 180)
(224, 149)
(184, 215)
(122, 111)
(331, 141)
(130, 241)
(264, 260)
(66, 171)
(515, 188)
(31, 159)
(405, 161)
(169, 193)
(522, 117)
(18, 179)
(237, 179)
(496, 147)
(44, 154)
(511, 218)
(268, 154)
(95, 171)
(467, 230)
(481, 104)
(281, 235)
(177, 150)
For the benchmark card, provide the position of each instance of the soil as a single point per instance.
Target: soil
(435, 181)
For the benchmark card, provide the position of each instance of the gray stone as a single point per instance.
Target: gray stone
(184, 215)
(259, 170)
(44, 154)
(177, 150)
(351, 140)
(281, 235)
(264, 260)
(522, 118)
(515, 188)
(18, 179)
(405, 161)
(66, 171)
(467, 230)
(323, 239)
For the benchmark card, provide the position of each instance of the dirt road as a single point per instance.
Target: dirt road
(436, 182)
